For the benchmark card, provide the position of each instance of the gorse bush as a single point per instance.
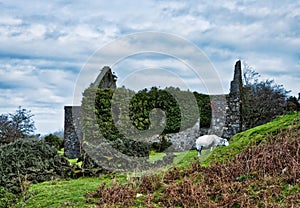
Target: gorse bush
(30, 161)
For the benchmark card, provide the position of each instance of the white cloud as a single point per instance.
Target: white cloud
(40, 90)
(10, 21)
(43, 44)
(37, 31)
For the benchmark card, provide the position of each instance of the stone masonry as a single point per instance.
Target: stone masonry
(218, 105)
(73, 134)
(226, 116)
(233, 124)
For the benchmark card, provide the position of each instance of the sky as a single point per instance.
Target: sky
(47, 46)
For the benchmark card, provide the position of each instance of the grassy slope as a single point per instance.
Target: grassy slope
(69, 193)
(254, 136)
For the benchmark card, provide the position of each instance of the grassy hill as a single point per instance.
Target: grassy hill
(260, 168)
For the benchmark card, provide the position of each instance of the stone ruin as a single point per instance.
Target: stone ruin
(226, 116)
(73, 134)
(233, 119)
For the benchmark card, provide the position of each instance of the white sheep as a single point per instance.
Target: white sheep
(209, 141)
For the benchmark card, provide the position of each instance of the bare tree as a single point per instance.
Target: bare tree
(250, 76)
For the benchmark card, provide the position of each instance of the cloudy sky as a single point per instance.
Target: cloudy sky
(45, 46)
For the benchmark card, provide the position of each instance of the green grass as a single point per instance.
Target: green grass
(253, 136)
(70, 193)
(154, 156)
(64, 192)
(71, 161)
(58, 193)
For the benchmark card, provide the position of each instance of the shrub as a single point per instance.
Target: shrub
(262, 100)
(7, 199)
(54, 141)
(162, 145)
(102, 129)
(292, 104)
(30, 161)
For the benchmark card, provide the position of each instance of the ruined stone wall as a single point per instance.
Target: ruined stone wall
(72, 132)
(184, 140)
(72, 128)
(218, 104)
(233, 124)
(226, 116)
(106, 79)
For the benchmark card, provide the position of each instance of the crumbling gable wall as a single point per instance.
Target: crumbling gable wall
(73, 134)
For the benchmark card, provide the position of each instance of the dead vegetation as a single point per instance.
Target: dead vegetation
(263, 175)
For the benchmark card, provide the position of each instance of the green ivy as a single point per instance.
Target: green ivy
(106, 112)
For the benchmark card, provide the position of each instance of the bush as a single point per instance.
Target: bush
(54, 141)
(102, 129)
(162, 145)
(109, 111)
(30, 161)
(262, 100)
(7, 199)
(180, 108)
(292, 104)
